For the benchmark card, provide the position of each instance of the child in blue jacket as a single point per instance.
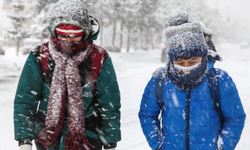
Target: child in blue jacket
(186, 118)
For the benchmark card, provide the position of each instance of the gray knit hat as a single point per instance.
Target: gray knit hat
(72, 12)
(184, 39)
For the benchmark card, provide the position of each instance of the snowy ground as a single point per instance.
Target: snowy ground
(133, 72)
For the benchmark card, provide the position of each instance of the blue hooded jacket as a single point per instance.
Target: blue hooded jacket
(188, 120)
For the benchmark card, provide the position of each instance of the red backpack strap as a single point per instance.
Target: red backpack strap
(44, 54)
(97, 57)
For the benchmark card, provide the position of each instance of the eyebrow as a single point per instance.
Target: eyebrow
(193, 58)
(190, 58)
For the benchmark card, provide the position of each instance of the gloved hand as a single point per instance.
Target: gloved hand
(110, 146)
(25, 147)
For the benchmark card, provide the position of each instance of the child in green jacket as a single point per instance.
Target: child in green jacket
(68, 96)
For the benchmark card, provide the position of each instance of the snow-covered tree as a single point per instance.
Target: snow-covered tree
(42, 5)
(40, 27)
(19, 31)
(197, 11)
(102, 10)
(140, 23)
(147, 25)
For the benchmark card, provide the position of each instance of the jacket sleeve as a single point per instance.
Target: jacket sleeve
(148, 115)
(233, 113)
(28, 92)
(108, 98)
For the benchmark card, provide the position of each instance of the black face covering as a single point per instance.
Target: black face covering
(189, 81)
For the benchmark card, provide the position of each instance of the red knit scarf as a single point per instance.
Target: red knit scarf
(69, 47)
(66, 81)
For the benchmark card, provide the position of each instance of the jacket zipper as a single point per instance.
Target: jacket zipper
(187, 119)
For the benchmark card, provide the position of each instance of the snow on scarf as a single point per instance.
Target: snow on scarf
(66, 82)
(186, 82)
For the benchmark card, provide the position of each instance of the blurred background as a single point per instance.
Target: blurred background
(127, 24)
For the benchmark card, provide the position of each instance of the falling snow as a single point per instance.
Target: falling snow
(133, 74)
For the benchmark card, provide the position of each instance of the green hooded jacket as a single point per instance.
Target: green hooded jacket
(101, 108)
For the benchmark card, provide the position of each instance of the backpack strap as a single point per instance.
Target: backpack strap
(159, 88)
(160, 79)
(44, 56)
(97, 57)
(214, 88)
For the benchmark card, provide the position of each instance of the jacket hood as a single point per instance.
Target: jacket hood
(95, 28)
(70, 12)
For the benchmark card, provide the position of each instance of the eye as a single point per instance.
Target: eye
(193, 61)
(179, 62)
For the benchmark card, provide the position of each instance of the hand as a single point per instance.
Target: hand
(26, 147)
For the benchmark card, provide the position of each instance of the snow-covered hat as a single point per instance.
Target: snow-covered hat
(205, 29)
(184, 39)
(72, 12)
